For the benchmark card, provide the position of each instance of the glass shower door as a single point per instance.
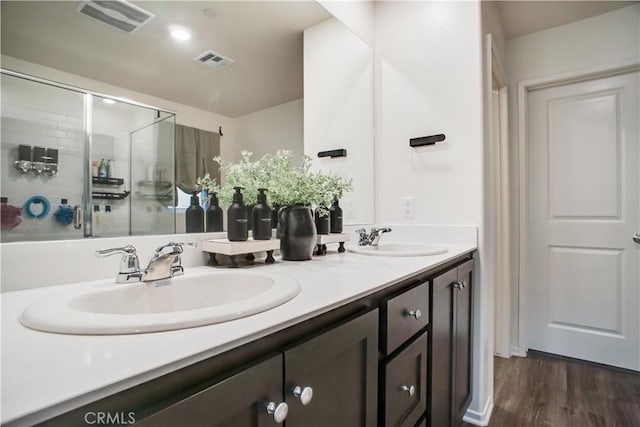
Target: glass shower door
(153, 177)
(42, 173)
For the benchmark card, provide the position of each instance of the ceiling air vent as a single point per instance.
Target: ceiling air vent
(212, 59)
(117, 13)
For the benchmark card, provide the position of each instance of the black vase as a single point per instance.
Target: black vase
(297, 233)
(322, 222)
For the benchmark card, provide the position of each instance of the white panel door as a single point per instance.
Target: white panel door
(583, 267)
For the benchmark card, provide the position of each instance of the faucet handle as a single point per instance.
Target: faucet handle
(380, 230)
(177, 246)
(129, 264)
(363, 239)
(129, 249)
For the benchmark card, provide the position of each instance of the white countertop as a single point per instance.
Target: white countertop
(46, 374)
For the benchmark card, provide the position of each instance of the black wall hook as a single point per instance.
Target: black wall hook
(340, 152)
(426, 140)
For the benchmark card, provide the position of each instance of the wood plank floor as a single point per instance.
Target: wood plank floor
(544, 390)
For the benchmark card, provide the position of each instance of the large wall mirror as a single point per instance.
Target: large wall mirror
(278, 75)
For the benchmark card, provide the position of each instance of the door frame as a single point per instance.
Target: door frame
(502, 268)
(521, 346)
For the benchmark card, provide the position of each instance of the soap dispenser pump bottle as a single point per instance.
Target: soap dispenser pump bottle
(195, 215)
(335, 215)
(214, 214)
(237, 218)
(261, 215)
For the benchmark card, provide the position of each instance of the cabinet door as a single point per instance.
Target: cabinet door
(341, 367)
(238, 401)
(441, 348)
(463, 304)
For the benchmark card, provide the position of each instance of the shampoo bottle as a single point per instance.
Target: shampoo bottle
(102, 169)
(195, 216)
(214, 214)
(261, 215)
(237, 219)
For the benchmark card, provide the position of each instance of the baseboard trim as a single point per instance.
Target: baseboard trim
(479, 418)
(517, 351)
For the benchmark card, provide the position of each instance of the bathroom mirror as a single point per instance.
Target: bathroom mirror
(256, 100)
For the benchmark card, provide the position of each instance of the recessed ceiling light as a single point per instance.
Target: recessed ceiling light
(108, 101)
(179, 33)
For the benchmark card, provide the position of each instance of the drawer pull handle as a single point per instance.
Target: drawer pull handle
(278, 411)
(305, 394)
(415, 313)
(409, 389)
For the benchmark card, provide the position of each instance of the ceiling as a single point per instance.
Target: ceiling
(263, 38)
(524, 17)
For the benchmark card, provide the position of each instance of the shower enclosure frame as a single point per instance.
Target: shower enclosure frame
(87, 215)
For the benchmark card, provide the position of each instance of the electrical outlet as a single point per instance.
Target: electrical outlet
(347, 207)
(407, 207)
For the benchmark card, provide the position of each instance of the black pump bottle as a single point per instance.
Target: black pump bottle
(195, 216)
(237, 218)
(335, 213)
(214, 214)
(261, 215)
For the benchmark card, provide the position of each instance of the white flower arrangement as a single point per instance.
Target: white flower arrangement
(287, 184)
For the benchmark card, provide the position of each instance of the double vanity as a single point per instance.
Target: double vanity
(346, 339)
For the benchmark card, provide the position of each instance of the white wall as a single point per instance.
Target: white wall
(601, 41)
(266, 131)
(359, 16)
(429, 81)
(338, 111)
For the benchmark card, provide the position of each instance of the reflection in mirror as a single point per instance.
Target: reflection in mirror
(257, 98)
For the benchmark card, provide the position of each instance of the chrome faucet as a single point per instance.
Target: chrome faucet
(373, 237)
(161, 265)
(164, 266)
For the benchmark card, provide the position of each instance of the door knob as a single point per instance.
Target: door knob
(305, 394)
(279, 411)
(636, 237)
(409, 389)
(457, 285)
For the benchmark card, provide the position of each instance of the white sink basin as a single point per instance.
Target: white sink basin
(195, 299)
(398, 249)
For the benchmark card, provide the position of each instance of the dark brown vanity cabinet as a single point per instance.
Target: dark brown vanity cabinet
(328, 380)
(452, 333)
(400, 357)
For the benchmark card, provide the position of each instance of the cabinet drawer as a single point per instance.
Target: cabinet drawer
(405, 386)
(403, 316)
